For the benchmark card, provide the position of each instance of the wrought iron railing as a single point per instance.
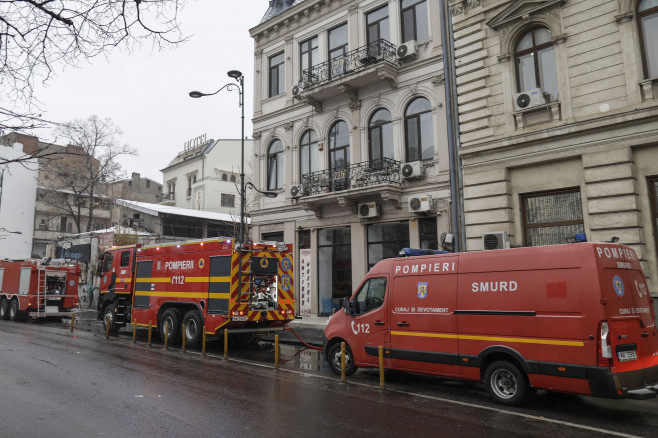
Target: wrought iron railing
(351, 62)
(369, 173)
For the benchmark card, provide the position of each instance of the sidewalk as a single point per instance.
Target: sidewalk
(309, 328)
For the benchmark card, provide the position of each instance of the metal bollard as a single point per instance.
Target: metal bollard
(225, 344)
(183, 340)
(150, 335)
(134, 332)
(276, 352)
(72, 322)
(166, 333)
(382, 384)
(343, 376)
(203, 343)
(107, 327)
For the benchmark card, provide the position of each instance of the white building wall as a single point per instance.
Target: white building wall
(18, 192)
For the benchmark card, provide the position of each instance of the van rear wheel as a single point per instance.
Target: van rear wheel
(506, 384)
(333, 357)
(4, 309)
(193, 322)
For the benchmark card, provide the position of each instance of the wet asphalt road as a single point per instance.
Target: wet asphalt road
(59, 384)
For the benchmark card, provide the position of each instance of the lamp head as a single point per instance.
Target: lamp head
(196, 94)
(235, 74)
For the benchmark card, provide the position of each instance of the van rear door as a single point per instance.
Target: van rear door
(627, 308)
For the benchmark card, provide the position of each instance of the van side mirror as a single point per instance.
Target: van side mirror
(347, 305)
(99, 268)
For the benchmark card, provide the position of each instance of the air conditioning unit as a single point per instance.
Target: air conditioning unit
(296, 91)
(412, 170)
(529, 99)
(407, 50)
(296, 191)
(368, 210)
(497, 240)
(420, 204)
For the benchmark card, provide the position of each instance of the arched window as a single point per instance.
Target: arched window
(647, 17)
(339, 155)
(308, 153)
(535, 62)
(224, 177)
(380, 135)
(419, 135)
(275, 165)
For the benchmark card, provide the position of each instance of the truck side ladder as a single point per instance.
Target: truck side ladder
(41, 292)
(245, 273)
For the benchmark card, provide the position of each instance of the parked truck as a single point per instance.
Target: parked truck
(38, 288)
(567, 318)
(214, 284)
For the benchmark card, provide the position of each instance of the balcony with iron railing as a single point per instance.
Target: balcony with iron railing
(354, 183)
(359, 67)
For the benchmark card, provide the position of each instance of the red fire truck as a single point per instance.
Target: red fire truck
(38, 288)
(211, 283)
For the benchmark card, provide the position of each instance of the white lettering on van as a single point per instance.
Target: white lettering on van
(615, 253)
(495, 286)
(422, 268)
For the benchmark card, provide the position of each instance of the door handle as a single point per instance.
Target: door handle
(403, 324)
(379, 323)
(645, 335)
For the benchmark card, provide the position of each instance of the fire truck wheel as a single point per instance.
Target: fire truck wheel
(108, 311)
(171, 316)
(14, 311)
(4, 309)
(333, 357)
(506, 384)
(193, 328)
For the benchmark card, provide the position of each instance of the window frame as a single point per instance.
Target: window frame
(413, 10)
(227, 200)
(378, 25)
(534, 49)
(640, 30)
(418, 115)
(337, 71)
(378, 127)
(275, 158)
(312, 146)
(308, 54)
(276, 75)
(652, 183)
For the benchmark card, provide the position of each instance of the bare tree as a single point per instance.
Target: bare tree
(78, 180)
(36, 36)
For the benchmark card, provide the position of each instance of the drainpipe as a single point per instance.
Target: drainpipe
(456, 198)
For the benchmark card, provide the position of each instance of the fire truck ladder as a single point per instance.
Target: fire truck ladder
(247, 275)
(41, 293)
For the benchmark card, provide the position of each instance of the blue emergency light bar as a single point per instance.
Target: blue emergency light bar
(409, 252)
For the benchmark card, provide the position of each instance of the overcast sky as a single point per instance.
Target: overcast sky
(146, 93)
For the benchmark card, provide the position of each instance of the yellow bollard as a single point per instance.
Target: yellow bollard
(107, 327)
(166, 333)
(225, 344)
(183, 340)
(134, 332)
(72, 322)
(276, 352)
(343, 376)
(381, 368)
(203, 343)
(150, 335)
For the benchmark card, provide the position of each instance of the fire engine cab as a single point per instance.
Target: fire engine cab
(567, 318)
(213, 283)
(38, 288)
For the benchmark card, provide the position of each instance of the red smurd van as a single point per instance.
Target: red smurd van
(570, 318)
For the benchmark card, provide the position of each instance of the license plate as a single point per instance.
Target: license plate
(626, 355)
(239, 318)
(54, 299)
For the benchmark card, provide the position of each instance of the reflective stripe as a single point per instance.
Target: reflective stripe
(491, 338)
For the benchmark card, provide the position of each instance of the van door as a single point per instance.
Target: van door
(367, 330)
(124, 271)
(423, 323)
(630, 318)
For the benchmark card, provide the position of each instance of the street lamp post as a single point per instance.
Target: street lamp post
(237, 75)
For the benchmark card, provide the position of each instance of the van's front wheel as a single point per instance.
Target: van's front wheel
(333, 357)
(506, 384)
